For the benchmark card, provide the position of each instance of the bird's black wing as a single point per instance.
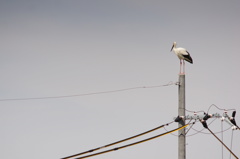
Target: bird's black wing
(188, 58)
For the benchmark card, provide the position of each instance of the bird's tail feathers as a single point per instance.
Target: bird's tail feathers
(189, 60)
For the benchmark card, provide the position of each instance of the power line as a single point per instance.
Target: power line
(222, 143)
(190, 127)
(222, 135)
(89, 94)
(191, 111)
(213, 105)
(204, 123)
(200, 131)
(231, 142)
(196, 116)
(117, 142)
(132, 144)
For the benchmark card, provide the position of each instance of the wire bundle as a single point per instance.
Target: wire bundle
(125, 146)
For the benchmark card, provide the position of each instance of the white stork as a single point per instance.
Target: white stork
(182, 54)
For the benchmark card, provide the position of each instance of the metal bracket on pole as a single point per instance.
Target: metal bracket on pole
(204, 117)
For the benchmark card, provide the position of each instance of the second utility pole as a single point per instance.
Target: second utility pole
(181, 112)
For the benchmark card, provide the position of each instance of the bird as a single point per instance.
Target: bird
(183, 55)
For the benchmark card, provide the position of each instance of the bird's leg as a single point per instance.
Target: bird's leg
(180, 67)
(184, 67)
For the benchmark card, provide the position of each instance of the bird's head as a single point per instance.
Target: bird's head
(174, 45)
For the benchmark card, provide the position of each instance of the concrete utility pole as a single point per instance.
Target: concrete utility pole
(181, 112)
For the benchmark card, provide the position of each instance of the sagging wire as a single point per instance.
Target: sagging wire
(204, 123)
(200, 131)
(178, 118)
(117, 142)
(171, 133)
(207, 116)
(89, 94)
(132, 144)
(213, 105)
(191, 111)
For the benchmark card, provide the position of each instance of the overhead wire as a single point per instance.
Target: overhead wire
(200, 131)
(204, 123)
(190, 127)
(222, 135)
(89, 94)
(191, 111)
(197, 131)
(183, 129)
(117, 142)
(222, 143)
(187, 131)
(231, 143)
(213, 105)
(132, 144)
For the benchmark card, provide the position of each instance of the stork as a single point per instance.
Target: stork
(183, 55)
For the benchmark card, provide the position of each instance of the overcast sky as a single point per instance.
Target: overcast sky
(71, 47)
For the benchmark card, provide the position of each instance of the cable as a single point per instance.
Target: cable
(222, 135)
(117, 142)
(186, 132)
(231, 143)
(88, 94)
(218, 108)
(197, 131)
(183, 130)
(222, 143)
(193, 111)
(190, 127)
(132, 144)
(200, 131)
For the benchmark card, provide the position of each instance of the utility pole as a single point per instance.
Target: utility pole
(182, 117)
(181, 112)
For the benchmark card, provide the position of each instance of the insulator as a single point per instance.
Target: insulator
(178, 119)
(204, 124)
(207, 116)
(234, 128)
(233, 121)
(233, 114)
(222, 118)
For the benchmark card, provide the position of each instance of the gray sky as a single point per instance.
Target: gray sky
(57, 48)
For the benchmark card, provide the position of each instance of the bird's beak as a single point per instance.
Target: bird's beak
(172, 48)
